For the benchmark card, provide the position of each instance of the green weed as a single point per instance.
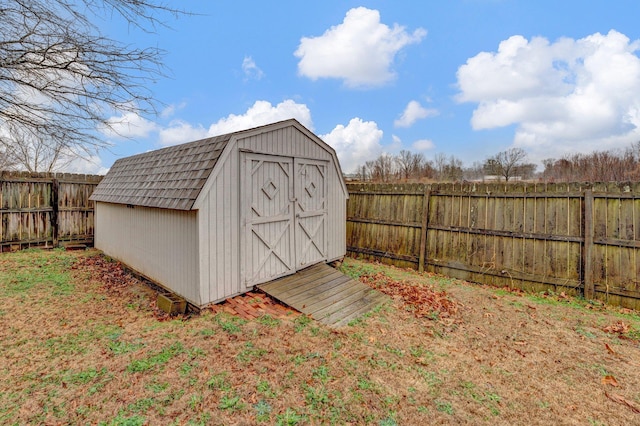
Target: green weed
(231, 403)
(444, 407)
(250, 353)
(289, 418)
(389, 421)
(156, 360)
(263, 411)
(141, 405)
(268, 320)
(230, 324)
(322, 374)
(195, 401)
(118, 347)
(219, 382)
(120, 420)
(264, 387)
(301, 323)
(157, 387)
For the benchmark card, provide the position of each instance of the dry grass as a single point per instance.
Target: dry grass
(81, 342)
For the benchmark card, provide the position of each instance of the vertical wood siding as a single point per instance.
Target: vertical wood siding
(161, 244)
(219, 225)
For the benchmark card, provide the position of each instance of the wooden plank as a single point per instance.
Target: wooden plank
(318, 291)
(424, 232)
(384, 222)
(380, 253)
(350, 311)
(337, 296)
(587, 260)
(338, 302)
(307, 275)
(304, 289)
(377, 300)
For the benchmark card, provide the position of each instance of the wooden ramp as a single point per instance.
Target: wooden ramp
(325, 294)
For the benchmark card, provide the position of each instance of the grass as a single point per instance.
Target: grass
(99, 354)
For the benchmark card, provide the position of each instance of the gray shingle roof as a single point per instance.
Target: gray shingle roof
(169, 178)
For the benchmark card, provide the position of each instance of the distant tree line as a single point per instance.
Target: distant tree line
(598, 166)
(409, 166)
(506, 166)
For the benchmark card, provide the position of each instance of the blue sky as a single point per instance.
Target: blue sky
(468, 78)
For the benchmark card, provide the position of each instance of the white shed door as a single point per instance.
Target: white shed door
(311, 212)
(268, 215)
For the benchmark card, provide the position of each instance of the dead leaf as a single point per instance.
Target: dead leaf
(622, 400)
(609, 380)
(611, 351)
(619, 327)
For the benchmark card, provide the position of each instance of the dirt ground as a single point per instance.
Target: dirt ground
(81, 342)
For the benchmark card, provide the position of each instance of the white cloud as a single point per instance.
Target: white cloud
(396, 144)
(360, 50)
(566, 96)
(180, 132)
(128, 125)
(423, 145)
(88, 165)
(355, 143)
(250, 69)
(170, 110)
(260, 113)
(412, 113)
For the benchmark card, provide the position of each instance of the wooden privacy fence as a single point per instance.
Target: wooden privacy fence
(576, 238)
(45, 209)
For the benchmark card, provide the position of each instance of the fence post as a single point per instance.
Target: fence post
(424, 230)
(587, 252)
(55, 186)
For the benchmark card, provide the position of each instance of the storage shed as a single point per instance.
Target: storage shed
(210, 219)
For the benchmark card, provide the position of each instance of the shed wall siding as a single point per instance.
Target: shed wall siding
(337, 218)
(288, 142)
(162, 244)
(219, 222)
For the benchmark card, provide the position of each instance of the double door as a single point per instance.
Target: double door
(284, 215)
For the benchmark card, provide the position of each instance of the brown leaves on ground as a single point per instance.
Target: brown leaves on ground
(624, 401)
(116, 280)
(423, 300)
(610, 380)
(111, 274)
(618, 327)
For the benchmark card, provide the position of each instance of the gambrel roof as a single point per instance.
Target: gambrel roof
(169, 178)
(173, 177)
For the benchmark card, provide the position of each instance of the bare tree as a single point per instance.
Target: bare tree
(34, 154)
(447, 168)
(384, 167)
(507, 163)
(409, 164)
(475, 172)
(60, 78)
